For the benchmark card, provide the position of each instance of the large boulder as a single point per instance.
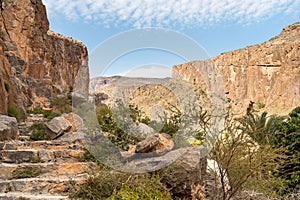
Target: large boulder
(8, 128)
(57, 127)
(185, 176)
(182, 170)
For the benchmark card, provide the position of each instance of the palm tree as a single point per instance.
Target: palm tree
(261, 128)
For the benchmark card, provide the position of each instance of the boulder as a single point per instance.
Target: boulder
(185, 176)
(57, 127)
(8, 128)
(182, 170)
(75, 121)
(158, 143)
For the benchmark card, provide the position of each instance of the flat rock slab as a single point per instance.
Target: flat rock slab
(24, 196)
(51, 185)
(42, 155)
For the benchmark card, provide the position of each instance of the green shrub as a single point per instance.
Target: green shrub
(13, 111)
(287, 136)
(47, 114)
(35, 111)
(6, 86)
(25, 172)
(37, 132)
(144, 187)
(116, 135)
(50, 115)
(121, 186)
(100, 186)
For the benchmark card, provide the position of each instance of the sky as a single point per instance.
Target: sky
(216, 26)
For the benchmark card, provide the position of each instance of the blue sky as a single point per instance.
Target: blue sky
(216, 25)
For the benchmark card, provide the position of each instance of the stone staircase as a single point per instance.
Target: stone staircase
(41, 169)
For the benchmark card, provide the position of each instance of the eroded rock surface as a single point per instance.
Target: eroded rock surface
(34, 61)
(267, 73)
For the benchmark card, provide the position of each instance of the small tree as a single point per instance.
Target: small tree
(239, 157)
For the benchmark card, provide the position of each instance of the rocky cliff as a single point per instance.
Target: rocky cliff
(35, 62)
(267, 73)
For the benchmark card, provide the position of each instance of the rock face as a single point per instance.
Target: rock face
(267, 73)
(8, 128)
(36, 62)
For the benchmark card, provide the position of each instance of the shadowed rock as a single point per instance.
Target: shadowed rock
(8, 128)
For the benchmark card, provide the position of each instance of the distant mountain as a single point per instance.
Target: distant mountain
(267, 74)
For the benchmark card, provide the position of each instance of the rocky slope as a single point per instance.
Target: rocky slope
(35, 62)
(267, 73)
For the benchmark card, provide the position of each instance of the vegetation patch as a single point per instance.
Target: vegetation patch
(37, 132)
(47, 114)
(25, 172)
(114, 186)
(13, 111)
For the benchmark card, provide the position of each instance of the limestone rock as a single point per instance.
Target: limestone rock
(36, 62)
(158, 143)
(57, 127)
(75, 121)
(8, 128)
(266, 73)
(182, 169)
(185, 176)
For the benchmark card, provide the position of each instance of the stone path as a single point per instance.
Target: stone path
(40, 169)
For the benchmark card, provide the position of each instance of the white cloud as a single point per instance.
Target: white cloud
(145, 13)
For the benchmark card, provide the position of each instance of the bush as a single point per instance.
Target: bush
(288, 137)
(13, 111)
(281, 135)
(120, 186)
(116, 135)
(244, 158)
(37, 132)
(144, 187)
(47, 114)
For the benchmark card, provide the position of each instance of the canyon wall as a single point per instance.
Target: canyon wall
(34, 61)
(267, 74)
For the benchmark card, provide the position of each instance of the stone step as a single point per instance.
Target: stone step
(13, 171)
(45, 144)
(37, 186)
(24, 196)
(41, 155)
